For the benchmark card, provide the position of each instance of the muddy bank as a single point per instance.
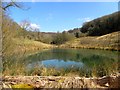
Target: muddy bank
(59, 82)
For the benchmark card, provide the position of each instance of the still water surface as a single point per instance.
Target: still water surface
(66, 58)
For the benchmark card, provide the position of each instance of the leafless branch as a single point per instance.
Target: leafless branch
(12, 3)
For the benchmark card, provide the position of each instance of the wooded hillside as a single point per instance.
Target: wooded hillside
(103, 25)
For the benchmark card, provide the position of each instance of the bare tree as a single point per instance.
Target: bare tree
(25, 24)
(35, 29)
(12, 3)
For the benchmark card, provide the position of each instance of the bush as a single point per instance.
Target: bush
(61, 38)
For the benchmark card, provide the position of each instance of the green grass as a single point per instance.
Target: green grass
(52, 71)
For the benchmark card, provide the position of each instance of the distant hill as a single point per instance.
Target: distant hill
(108, 41)
(99, 26)
(103, 25)
(12, 33)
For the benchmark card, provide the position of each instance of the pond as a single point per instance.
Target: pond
(100, 62)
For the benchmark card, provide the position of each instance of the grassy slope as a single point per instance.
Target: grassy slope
(108, 41)
(29, 45)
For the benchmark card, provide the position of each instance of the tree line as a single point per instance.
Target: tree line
(101, 26)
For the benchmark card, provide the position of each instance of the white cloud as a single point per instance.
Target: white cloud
(80, 26)
(87, 19)
(34, 26)
(29, 26)
(65, 29)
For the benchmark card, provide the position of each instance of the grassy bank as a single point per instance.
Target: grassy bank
(21, 69)
(23, 46)
(31, 45)
(107, 42)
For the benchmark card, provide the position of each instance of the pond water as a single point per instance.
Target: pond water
(87, 59)
(78, 58)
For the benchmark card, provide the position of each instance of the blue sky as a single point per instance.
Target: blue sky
(60, 16)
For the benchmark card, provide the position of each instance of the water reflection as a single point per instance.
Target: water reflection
(85, 61)
(71, 57)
